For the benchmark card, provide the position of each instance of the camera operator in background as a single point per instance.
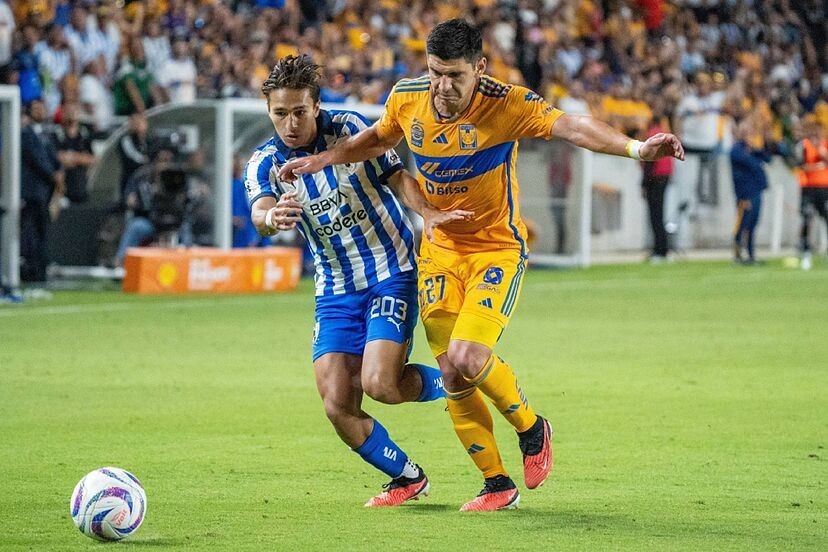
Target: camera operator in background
(157, 200)
(133, 149)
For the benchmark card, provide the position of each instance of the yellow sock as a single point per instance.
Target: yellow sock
(473, 425)
(498, 382)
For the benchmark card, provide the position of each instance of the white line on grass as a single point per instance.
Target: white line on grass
(673, 280)
(615, 283)
(25, 310)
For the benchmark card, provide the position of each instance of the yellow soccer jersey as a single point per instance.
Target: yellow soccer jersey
(469, 163)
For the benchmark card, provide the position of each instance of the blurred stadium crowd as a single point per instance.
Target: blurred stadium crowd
(707, 70)
(622, 60)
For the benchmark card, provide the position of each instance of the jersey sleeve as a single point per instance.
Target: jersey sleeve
(528, 115)
(386, 164)
(388, 124)
(257, 177)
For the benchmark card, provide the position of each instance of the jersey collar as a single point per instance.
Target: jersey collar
(439, 119)
(324, 125)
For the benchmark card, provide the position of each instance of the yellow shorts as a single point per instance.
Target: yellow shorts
(467, 296)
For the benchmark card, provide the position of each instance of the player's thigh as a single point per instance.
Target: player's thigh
(390, 318)
(491, 295)
(441, 294)
(339, 325)
(390, 309)
(383, 360)
(338, 381)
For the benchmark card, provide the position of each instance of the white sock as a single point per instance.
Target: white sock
(410, 470)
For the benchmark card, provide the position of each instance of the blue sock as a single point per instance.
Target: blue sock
(383, 453)
(432, 383)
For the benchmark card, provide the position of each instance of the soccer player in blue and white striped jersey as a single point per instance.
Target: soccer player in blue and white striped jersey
(363, 248)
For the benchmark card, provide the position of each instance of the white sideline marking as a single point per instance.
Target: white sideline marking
(25, 310)
(11, 311)
(672, 281)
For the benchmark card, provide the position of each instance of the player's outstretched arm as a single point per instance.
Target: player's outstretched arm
(269, 216)
(363, 145)
(408, 190)
(590, 133)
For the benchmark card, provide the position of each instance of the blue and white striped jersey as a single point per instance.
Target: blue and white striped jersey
(353, 224)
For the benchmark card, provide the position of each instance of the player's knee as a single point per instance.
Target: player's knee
(468, 358)
(380, 389)
(336, 412)
(453, 381)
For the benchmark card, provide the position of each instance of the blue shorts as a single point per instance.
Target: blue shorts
(345, 323)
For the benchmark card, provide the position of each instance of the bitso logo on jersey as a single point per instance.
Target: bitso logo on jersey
(468, 137)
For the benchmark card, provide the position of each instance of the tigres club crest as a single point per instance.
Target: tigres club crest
(417, 134)
(468, 137)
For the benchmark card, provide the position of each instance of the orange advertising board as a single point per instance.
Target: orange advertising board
(156, 270)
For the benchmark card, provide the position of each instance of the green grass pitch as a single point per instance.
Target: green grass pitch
(690, 404)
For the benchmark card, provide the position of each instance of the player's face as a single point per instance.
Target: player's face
(293, 113)
(453, 82)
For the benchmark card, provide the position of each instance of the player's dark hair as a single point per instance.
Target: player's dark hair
(455, 39)
(296, 73)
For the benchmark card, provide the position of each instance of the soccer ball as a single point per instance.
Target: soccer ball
(108, 504)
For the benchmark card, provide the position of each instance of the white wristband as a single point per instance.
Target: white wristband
(634, 149)
(269, 218)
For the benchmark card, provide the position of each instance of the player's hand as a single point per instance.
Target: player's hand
(432, 218)
(286, 214)
(301, 165)
(661, 145)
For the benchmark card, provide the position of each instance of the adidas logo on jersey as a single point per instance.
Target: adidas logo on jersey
(487, 302)
(441, 139)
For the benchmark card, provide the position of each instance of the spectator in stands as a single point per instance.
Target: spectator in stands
(109, 20)
(135, 89)
(26, 68)
(178, 73)
(749, 181)
(41, 178)
(96, 97)
(74, 144)
(86, 41)
(574, 101)
(156, 47)
(655, 179)
(7, 26)
(698, 123)
(55, 60)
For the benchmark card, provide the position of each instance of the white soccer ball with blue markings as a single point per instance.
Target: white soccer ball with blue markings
(108, 504)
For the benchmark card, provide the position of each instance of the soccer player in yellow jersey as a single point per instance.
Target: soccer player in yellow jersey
(462, 127)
